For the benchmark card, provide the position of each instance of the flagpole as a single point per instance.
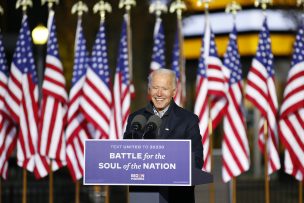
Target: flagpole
(211, 185)
(0, 190)
(107, 192)
(127, 4)
(24, 4)
(300, 191)
(210, 129)
(267, 196)
(263, 4)
(51, 183)
(102, 7)
(77, 191)
(51, 176)
(78, 8)
(129, 39)
(24, 186)
(233, 190)
(233, 8)
(299, 4)
(157, 7)
(178, 6)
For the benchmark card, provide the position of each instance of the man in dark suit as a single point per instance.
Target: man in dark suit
(177, 123)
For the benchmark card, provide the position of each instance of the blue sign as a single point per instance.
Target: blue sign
(138, 162)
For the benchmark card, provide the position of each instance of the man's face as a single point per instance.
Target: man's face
(161, 90)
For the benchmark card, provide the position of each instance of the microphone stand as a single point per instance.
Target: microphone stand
(143, 136)
(135, 128)
(150, 127)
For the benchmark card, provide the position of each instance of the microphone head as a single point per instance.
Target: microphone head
(138, 122)
(153, 123)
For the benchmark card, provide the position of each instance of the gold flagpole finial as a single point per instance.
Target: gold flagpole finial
(263, 3)
(1, 10)
(79, 8)
(233, 8)
(24, 4)
(50, 3)
(102, 7)
(199, 3)
(158, 8)
(205, 2)
(127, 4)
(300, 3)
(178, 6)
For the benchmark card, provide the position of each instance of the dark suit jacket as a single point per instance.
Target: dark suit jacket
(177, 123)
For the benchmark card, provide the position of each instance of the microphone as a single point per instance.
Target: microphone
(138, 122)
(153, 123)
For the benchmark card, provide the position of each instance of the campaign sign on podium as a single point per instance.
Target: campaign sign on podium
(138, 162)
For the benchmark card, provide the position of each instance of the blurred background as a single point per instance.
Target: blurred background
(283, 19)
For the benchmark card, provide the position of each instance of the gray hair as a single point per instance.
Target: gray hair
(164, 71)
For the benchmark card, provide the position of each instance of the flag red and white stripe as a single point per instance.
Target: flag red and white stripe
(291, 124)
(78, 128)
(54, 102)
(290, 168)
(178, 68)
(8, 140)
(96, 102)
(75, 154)
(201, 109)
(261, 92)
(217, 78)
(235, 146)
(121, 90)
(211, 84)
(22, 103)
(8, 130)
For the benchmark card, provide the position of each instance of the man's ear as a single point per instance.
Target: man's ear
(174, 92)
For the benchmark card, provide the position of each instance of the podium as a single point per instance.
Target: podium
(154, 195)
(149, 167)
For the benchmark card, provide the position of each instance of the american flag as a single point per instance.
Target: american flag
(51, 142)
(96, 102)
(8, 140)
(290, 168)
(235, 147)
(75, 154)
(158, 53)
(78, 129)
(217, 77)
(22, 103)
(201, 108)
(211, 83)
(121, 90)
(291, 124)
(176, 65)
(129, 36)
(8, 130)
(261, 92)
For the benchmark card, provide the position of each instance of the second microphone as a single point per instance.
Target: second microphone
(143, 129)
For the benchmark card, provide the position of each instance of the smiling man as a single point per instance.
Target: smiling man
(177, 123)
(162, 88)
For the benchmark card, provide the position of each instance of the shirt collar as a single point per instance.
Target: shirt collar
(162, 112)
(150, 108)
